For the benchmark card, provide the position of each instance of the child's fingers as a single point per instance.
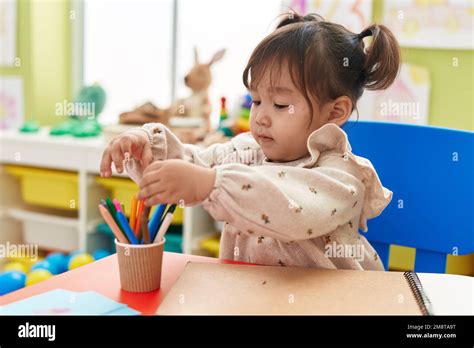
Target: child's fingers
(106, 163)
(160, 198)
(147, 155)
(126, 144)
(149, 178)
(156, 188)
(117, 157)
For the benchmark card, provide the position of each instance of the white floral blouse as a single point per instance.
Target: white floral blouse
(303, 213)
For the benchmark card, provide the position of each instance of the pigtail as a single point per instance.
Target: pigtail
(382, 61)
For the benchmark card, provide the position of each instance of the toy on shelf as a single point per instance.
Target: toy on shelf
(242, 124)
(188, 118)
(29, 127)
(86, 109)
(145, 113)
(225, 125)
(198, 79)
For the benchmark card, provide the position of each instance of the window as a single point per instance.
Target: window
(128, 47)
(127, 50)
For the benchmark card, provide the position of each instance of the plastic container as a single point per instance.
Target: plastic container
(46, 187)
(211, 245)
(50, 232)
(174, 242)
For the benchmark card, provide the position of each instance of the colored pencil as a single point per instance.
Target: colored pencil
(155, 220)
(113, 226)
(165, 224)
(139, 215)
(126, 227)
(133, 212)
(144, 223)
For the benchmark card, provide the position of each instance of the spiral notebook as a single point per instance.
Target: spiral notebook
(228, 289)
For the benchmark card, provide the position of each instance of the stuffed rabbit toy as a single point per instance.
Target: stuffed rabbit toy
(198, 80)
(196, 105)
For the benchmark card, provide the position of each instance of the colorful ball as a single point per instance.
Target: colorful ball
(16, 266)
(11, 281)
(72, 254)
(24, 260)
(100, 253)
(80, 260)
(45, 264)
(38, 275)
(59, 261)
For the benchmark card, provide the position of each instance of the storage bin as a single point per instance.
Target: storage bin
(48, 231)
(174, 242)
(46, 187)
(123, 189)
(211, 245)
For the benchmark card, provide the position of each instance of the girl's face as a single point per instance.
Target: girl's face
(280, 118)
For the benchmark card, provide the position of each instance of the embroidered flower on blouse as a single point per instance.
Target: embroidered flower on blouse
(260, 239)
(246, 187)
(266, 219)
(313, 190)
(282, 174)
(327, 239)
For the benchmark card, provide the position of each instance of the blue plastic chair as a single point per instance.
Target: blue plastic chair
(431, 173)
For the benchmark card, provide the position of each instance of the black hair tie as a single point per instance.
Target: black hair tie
(365, 33)
(362, 79)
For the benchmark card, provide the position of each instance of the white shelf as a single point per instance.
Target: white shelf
(80, 155)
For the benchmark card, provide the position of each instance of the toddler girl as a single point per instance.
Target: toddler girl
(290, 191)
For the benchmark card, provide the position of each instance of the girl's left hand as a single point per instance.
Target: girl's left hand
(175, 181)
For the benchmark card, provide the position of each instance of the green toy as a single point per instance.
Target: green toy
(90, 102)
(224, 126)
(29, 127)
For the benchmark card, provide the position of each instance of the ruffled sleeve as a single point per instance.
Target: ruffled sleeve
(165, 145)
(329, 147)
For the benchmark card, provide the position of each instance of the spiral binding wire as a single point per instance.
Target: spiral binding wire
(417, 289)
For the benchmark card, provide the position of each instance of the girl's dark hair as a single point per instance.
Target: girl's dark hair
(325, 59)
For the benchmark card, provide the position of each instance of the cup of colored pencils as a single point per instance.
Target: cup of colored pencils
(139, 241)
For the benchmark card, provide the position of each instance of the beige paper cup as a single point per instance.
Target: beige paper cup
(140, 265)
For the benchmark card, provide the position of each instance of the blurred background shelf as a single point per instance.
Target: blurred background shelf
(50, 191)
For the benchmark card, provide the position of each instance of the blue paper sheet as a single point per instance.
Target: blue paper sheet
(64, 302)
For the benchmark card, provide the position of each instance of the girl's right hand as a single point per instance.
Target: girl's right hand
(134, 142)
